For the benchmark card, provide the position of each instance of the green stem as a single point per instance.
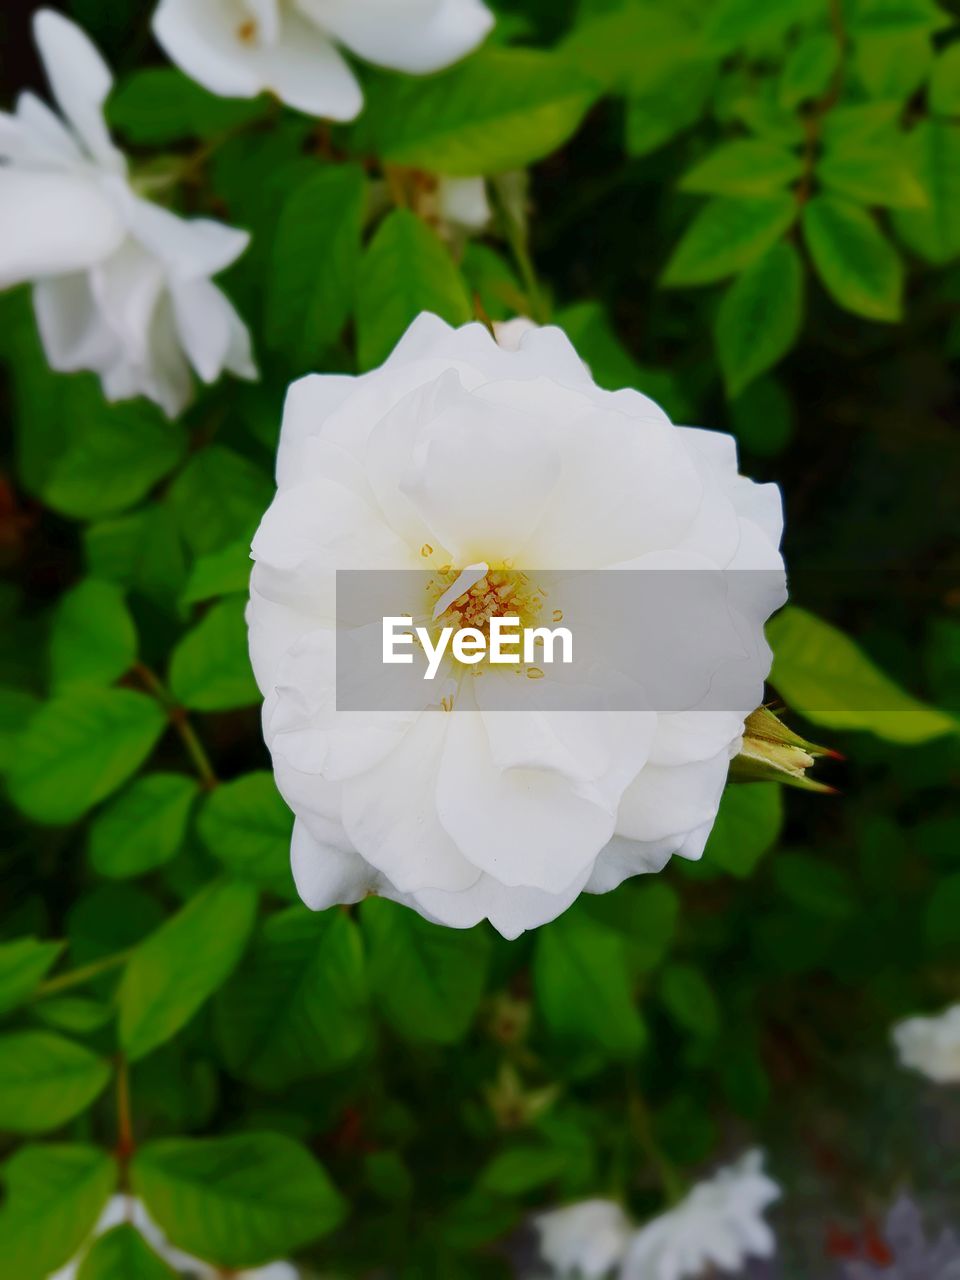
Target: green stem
(670, 1179)
(78, 977)
(180, 722)
(517, 240)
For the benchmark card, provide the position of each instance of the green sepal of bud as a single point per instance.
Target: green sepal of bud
(773, 753)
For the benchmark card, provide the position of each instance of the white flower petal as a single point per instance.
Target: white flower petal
(37, 239)
(409, 35)
(80, 80)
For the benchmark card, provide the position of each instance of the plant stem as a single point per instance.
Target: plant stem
(126, 1145)
(78, 977)
(670, 1179)
(517, 240)
(181, 723)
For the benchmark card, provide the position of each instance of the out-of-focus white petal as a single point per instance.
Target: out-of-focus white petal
(72, 328)
(464, 202)
(52, 224)
(80, 80)
(409, 35)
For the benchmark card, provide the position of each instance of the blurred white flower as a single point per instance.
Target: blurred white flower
(719, 1223)
(127, 1209)
(121, 286)
(463, 202)
(239, 48)
(455, 455)
(585, 1240)
(931, 1045)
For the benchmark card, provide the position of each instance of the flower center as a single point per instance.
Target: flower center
(248, 31)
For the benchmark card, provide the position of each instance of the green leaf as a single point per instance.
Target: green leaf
(219, 498)
(23, 964)
(858, 266)
(731, 23)
(809, 68)
(893, 65)
(210, 669)
(405, 270)
(142, 552)
(80, 747)
(815, 886)
(897, 17)
(46, 1080)
(668, 107)
(523, 1169)
(75, 1014)
(123, 1254)
(16, 708)
(54, 1196)
(143, 827)
(726, 236)
(427, 979)
(636, 49)
(297, 1005)
(747, 826)
(747, 167)
(583, 988)
(823, 675)
(944, 93)
(316, 257)
(934, 232)
(246, 826)
(176, 969)
(239, 1201)
(159, 105)
(501, 109)
(942, 916)
(863, 125)
(225, 572)
(763, 417)
(873, 172)
(94, 640)
(760, 316)
(687, 997)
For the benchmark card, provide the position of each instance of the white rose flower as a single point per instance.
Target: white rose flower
(719, 1223)
(931, 1045)
(240, 48)
(127, 1209)
(121, 286)
(585, 1240)
(455, 456)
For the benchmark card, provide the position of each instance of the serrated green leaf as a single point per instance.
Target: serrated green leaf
(178, 967)
(824, 676)
(426, 979)
(874, 173)
(687, 997)
(405, 270)
(23, 964)
(142, 551)
(123, 1254)
(864, 125)
(893, 65)
(219, 498)
(159, 105)
(209, 668)
(46, 1080)
(143, 827)
(934, 232)
(297, 1005)
(54, 1196)
(93, 640)
(943, 95)
(809, 68)
(501, 109)
(858, 266)
(246, 826)
(760, 316)
(316, 257)
(239, 1201)
(667, 107)
(583, 989)
(747, 167)
(79, 748)
(726, 236)
(747, 826)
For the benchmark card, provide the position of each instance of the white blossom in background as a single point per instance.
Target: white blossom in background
(122, 1209)
(459, 454)
(240, 48)
(931, 1045)
(462, 202)
(122, 287)
(718, 1224)
(510, 333)
(585, 1240)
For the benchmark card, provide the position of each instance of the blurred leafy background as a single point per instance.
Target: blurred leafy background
(752, 213)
